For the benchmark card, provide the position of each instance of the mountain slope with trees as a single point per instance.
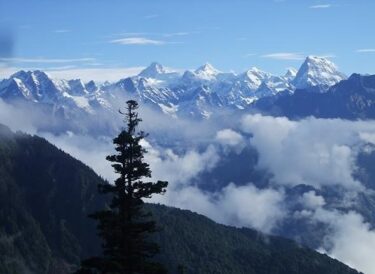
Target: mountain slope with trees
(46, 195)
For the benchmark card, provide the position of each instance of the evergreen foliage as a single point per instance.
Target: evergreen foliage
(124, 227)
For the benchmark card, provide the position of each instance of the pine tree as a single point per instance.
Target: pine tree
(124, 227)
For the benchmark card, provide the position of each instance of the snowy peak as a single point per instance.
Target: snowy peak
(35, 76)
(195, 93)
(317, 71)
(257, 73)
(254, 77)
(153, 70)
(290, 74)
(32, 85)
(206, 72)
(208, 69)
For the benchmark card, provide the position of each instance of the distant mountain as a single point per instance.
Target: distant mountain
(153, 71)
(193, 94)
(351, 99)
(317, 71)
(44, 227)
(37, 86)
(291, 74)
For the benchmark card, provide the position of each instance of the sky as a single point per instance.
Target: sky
(112, 38)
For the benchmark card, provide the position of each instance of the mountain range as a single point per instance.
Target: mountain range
(193, 94)
(351, 99)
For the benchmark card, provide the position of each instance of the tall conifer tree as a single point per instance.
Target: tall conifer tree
(124, 227)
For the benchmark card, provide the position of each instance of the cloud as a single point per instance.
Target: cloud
(81, 147)
(97, 74)
(238, 206)
(250, 54)
(316, 152)
(180, 169)
(151, 16)
(230, 138)
(351, 240)
(17, 117)
(284, 56)
(181, 33)
(137, 41)
(311, 200)
(73, 72)
(62, 31)
(323, 6)
(251, 207)
(45, 60)
(365, 50)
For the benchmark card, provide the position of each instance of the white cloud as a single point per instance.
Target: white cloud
(311, 200)
(97, 74)
(137, 41)
(250, 54)
(351, 240)
(46, 60)
(238, 206)
(6, 71)
(62, 31)
(231, 138)
(318, 152)
(74, 72)
(251, 207)
(173, 34)
(368, 137)
(315, 152)
(365, 50)
(81, 147)
(284, 56)
(180, 169)
(323, 6)
(17, 118)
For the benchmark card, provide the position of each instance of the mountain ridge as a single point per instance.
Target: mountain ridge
(190, 94)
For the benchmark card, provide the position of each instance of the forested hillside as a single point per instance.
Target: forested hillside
(45, 196)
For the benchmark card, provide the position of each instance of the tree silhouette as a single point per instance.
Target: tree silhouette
(125, 227)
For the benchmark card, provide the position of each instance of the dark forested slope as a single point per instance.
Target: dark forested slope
(45, 196)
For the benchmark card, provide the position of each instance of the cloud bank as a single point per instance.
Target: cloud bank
(316, 152)
(320, 153)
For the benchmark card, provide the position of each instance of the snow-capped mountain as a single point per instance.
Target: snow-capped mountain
(32, 86)
(157, 72)
(194, 93)
(206, 72)
(254, 77)
(290, 74)
(317, 71)
(67, 98)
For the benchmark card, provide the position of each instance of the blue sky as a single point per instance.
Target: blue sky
(230, 34)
